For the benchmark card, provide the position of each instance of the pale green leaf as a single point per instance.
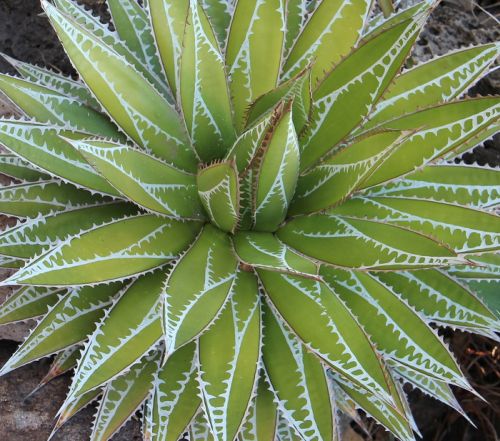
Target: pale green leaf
(253, 54)
(219, 12)
(126, 247)
(14, 167)
(130, 328)
(371, 244)
(143, 179)
(146, 117)
(299, 380)
(328, 36)
(28, 302)
(228, 373)
(204, 91)
(218, 189)
(70, 321)
(327, 328)
(198, 287)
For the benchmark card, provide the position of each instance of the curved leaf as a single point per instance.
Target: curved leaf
(198, 287)
(126, 247)
(14, 167)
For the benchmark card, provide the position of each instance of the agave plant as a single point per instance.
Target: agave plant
(244, 219)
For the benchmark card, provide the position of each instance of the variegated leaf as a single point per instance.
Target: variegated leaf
(262, 421)
(336, 178)
(439, 390)
(297, 89)
(328, 36)
(219, 12)
(63, 362)
(133, 27)
(146, 117)
(93, 24)
(70, 321)
(468, 185)
(297, 14)
(218, 189)
(253, 54)
(440, 130)
(43, 198)
(374, 245)
(28, 302)
(389, 416)
(129, 330)
(204, 91)
(276, 174)
(174, 401)
(347, 94)
(56, 81)
(72, 406)
(327, 328)
(198, 287)
(123, 396)
(484, 266)
(266, 251)
(199, 429)
(41, 145)
(299, 380)
(10, 263)
(420, 87)
(35, 236)
(143, 179)
(14, 167)
(48, 106)
(463, 229)
(286, 432)
(125, 248)
(228, 373)
(393, 326)
(442, 299)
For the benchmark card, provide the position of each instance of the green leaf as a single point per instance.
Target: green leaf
(286, 432)
(328, 36)
(253, 53)
(42, 146)
(34, 236)
(297, 89)
(438, 80)
(130, 328)
(48, 106)
(467, 185)
(297, 15)
(347, 94)
(43, 198)
(266, 251)
(146, 117)
(463, 229)
(168, 21)
(114, 251)
(56, 81)
(28, 302)
(70, 321)
(204, 91)
(143, 179)
(299, 381)
(276, 174)
(14, 167)
(440, 130)
(198, 287)
(336, 178)
(218, 188)
(262, 421)
(133, 27)
(63, 362)
(199, 429)
(394, 327)
(374, 245)
(389, 416)
(442, 299)
(219, 12)
(327, 328)
(228, 373)
(10, 263)
(94, 25)
(175, 397)
(123, 396)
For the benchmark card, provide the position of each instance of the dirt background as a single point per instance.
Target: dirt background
(26, 35)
